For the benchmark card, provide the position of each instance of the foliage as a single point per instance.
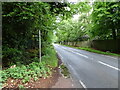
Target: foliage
(68, 30)
(21, 22)
(105, 20)
(98, 51)
(100, 21)
(34, 70)
(74, 30)
(12, 56)
(21, 87)
(50, 57)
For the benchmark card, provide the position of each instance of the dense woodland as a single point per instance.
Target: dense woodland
(21, 22)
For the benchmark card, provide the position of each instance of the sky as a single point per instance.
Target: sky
(80, 1)
(92, 0)
(76, 17)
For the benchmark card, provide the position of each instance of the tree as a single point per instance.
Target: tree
(70, 30)
(105, 20)
(23, 20)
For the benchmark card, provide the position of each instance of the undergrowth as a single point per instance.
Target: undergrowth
(50, 57)
(34, 70)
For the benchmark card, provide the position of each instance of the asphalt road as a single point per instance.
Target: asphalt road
(90, 70)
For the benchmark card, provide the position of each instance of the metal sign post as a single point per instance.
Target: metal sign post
(40, 46)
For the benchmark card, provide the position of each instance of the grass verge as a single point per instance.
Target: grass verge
(95, 51)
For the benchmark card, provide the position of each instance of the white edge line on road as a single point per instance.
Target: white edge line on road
(60, 55)
(98, 61)
(83, 85)
(110, 57)
(109, 65)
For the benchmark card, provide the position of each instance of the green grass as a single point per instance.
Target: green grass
(95, 51)
(50, 58)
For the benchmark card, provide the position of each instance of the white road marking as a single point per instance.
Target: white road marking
(98, 61)
(109, 65)
(77, 53)
(83, 84)
(72, 85)
(110, 56)
(82, 55)
(60, 55)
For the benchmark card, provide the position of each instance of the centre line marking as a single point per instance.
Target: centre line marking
(109, 65)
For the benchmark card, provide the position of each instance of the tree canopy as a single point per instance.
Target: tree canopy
(98, 20)
(23, 20)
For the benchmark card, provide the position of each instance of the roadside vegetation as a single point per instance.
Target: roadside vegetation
(56, 22)
(99, 21)
(98, 51)
(22, 22)
(95, 51)
(96, 21)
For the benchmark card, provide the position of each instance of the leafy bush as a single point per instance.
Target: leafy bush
(33, 52)
(34, 70)
(25, 71)
(12, 56)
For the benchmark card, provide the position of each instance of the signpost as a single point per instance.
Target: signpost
(40, 46)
